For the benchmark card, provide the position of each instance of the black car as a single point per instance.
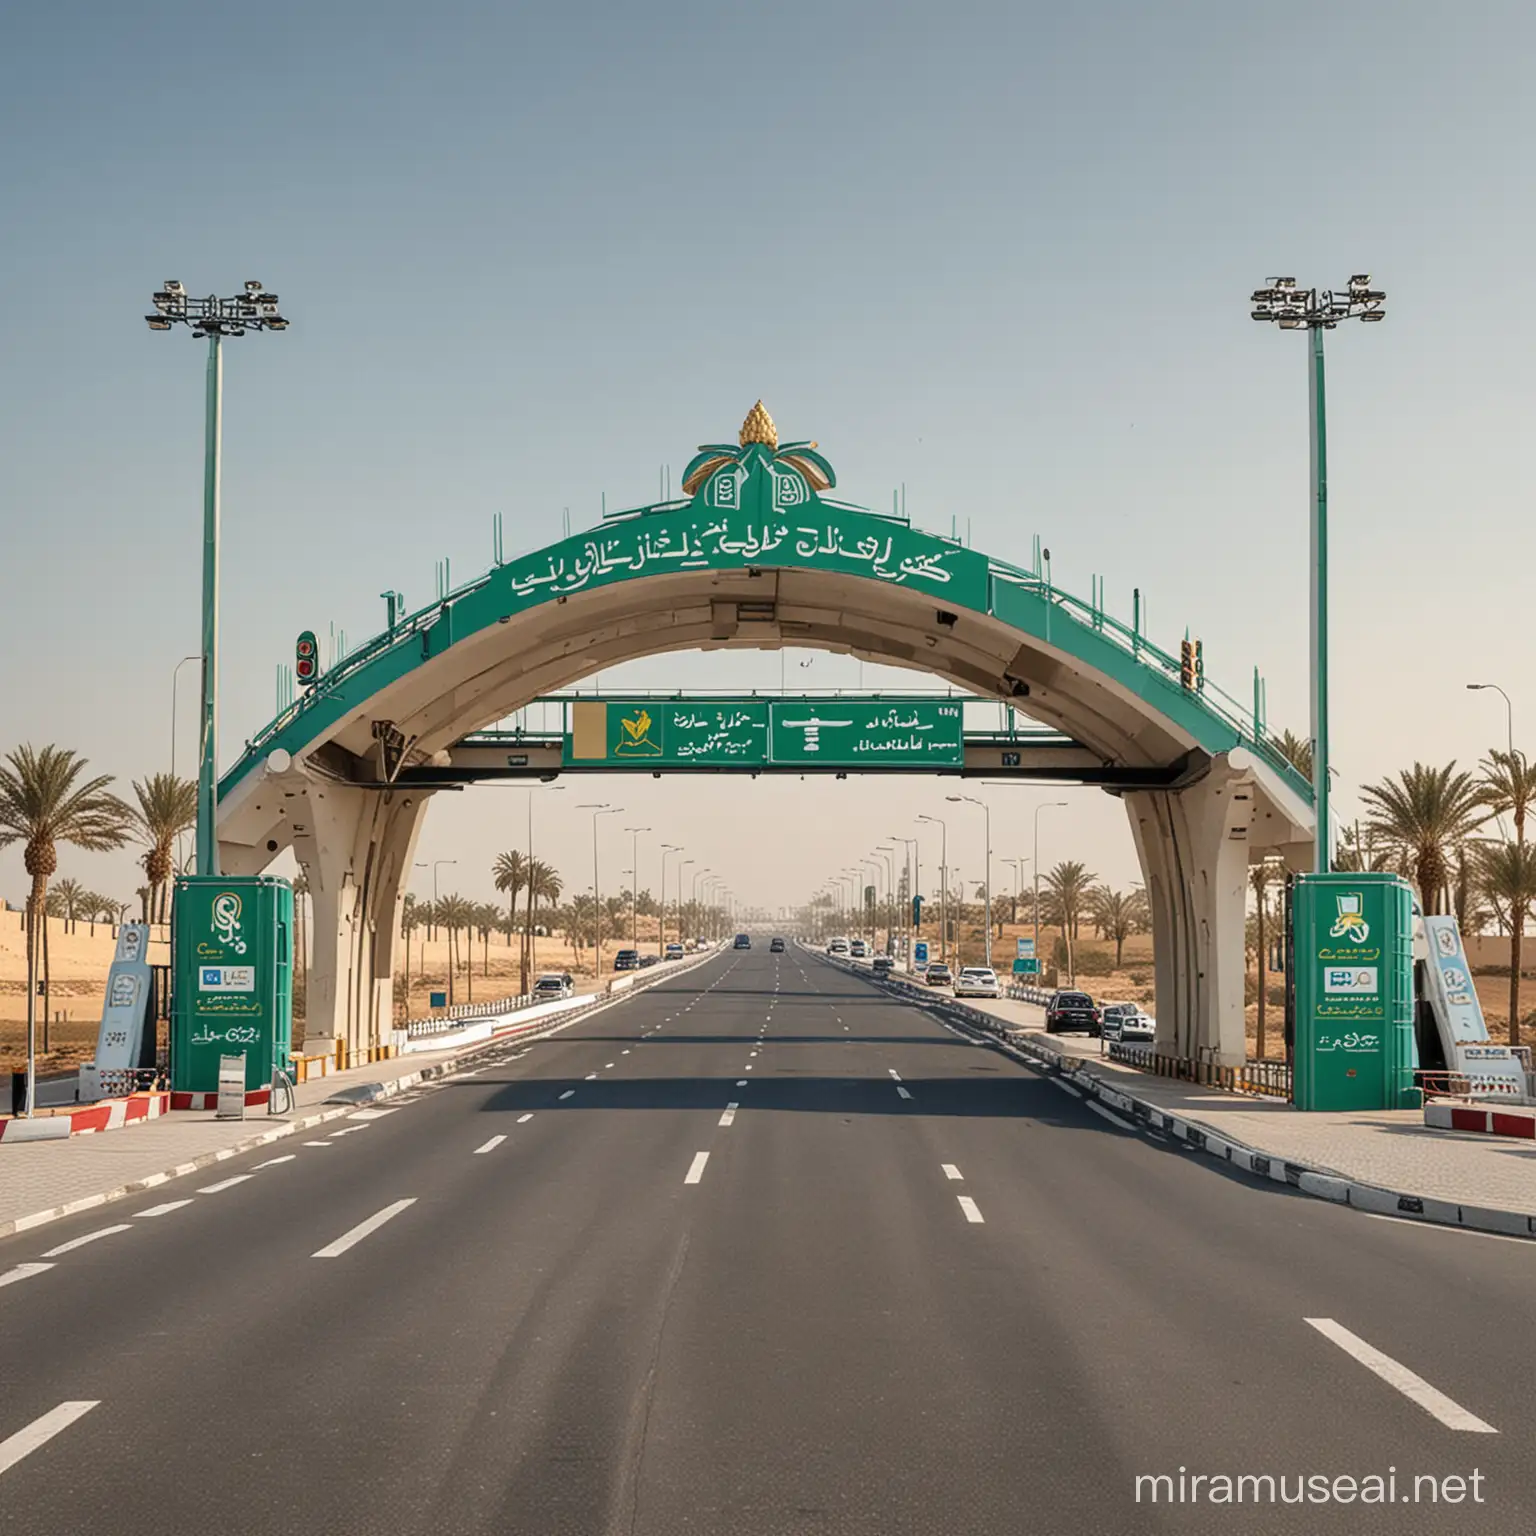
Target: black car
(627, 960)
(777, 947)
(743, 941)
(1071, 1010)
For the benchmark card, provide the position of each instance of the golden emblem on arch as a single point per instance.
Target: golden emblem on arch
(636, 738)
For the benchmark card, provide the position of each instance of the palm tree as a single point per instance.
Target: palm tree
(410, 920)
(1117, 914)
(1424, 812)
(71, 898)
(167, 807)
(44, 803)
(1509, 784)
(1296, 750)
(1507, 877)
(453, 913)
(545, 885)
(1069, 883)
(509, 874)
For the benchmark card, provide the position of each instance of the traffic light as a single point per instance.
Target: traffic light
(1187, 662)
(306, 658)
(917, 913)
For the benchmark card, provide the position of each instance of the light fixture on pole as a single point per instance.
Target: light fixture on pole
(1509, 712)
(1050, 805)
(213, 318)
(601, 808)
(1316, 311)
(943, 827)
(914, 875)
(634, 890)
(683, 864)
(661, 917)
(987, 812)
(890, 894)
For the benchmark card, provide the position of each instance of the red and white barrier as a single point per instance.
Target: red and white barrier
(1511, 1121)
(255, 1098)
(109, 1115)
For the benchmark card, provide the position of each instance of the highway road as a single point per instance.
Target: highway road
(760, 1251)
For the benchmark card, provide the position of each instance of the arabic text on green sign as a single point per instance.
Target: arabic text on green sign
(915, 733)
(682, 734)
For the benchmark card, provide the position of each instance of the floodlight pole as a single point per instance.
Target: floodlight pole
(1322, 857)
(208, 745)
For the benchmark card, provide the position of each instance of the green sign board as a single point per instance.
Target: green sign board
(639, 733)
(1026, 965)
(1353, 940)
(232, 978)
(878, 733)
(755, 508)
(760, 733)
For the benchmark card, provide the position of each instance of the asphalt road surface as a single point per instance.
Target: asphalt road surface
(761, 1250)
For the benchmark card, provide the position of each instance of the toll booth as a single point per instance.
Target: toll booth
(232, 978)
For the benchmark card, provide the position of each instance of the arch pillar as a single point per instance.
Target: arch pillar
(356, 847)
(1193, 843)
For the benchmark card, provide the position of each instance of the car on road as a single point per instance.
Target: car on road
(743, 941)
(648, 960)
(882, 965)
(674, 951)
(553, 984)
(837, 946)
(1125, 1021)
(1069, 1011)
(977, 981)
(627, 960)
(858, 950)
(776, 947)
(938, 975)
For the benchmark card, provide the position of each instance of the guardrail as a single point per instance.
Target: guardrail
(1269, 1078)
(443, 1023)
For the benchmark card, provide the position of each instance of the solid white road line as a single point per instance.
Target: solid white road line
(24, 1272)
(272, 1162)
(40, 1431)
(903, 1092)
(1435, 1226)
(730, 1114)
(223, 1184)
(1412, 1386)
(361, 1230)
(1111, 1116)
(568, 1092)
(490, 1146)
(524, 1119)
(90, 1237)
(696, 1168)
(1065, 1087)
(969, 1206)
(163, 1210)
(950, 1171)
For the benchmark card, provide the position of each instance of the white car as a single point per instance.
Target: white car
(1125, 1021)
(837, 946)
(977, 981)
(859, 950)
(554, 984)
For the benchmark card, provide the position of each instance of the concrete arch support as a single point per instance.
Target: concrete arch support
(1194, 848)
(355, 846)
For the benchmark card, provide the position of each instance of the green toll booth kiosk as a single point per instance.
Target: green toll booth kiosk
(232, 978)
(1352, 937)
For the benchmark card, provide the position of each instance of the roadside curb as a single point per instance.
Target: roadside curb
(320, 1116)
(1318, 1182)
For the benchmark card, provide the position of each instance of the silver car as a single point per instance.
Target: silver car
(1125, 1021)
(977, 981)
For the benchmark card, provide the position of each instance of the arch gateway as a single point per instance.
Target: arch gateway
(757, 553)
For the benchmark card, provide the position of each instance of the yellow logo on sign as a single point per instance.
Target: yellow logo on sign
(636, 741)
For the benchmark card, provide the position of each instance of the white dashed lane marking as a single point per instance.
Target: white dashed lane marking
(971, 1209)
(730, 1114)
(362, 1229)
(90, 1237)
(23, 1272)
(490, 1146)
(696, 1168)
(40, 1431)
(951, 1172)
(568, 1092)
(164, 1210)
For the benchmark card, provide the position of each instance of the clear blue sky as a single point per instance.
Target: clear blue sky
(998, 252)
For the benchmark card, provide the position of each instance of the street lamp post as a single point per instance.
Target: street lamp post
(888, 854)
(634, 890)
(943, 827)
(912, 879)
(1050, 805)
(682, 865)
(661, 911)
(693, 901)
(987, 813)
(213, 318)
(601, 808)
(1293, 308)
(1509, 712)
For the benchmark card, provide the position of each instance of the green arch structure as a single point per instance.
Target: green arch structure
(757, 554)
